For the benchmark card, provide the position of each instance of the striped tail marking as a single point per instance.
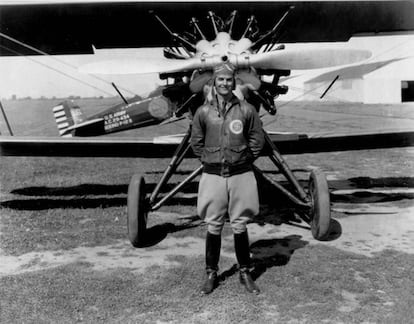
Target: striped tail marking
(62, 120)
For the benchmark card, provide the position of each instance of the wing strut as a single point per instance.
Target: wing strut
(5, 119)
(120, 94)
(327, 89)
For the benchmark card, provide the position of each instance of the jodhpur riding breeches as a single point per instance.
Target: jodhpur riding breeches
(236, 196)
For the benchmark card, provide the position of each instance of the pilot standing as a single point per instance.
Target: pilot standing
(227, 136)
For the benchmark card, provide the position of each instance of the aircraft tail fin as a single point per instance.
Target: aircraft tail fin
(66, 115)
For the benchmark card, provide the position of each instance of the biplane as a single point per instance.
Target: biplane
(260, 62)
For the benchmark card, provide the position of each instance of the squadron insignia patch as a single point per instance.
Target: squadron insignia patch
(236, 126)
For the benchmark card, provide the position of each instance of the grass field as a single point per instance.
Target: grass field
(65, 257)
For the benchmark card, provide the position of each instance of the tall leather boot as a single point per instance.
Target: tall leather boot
(213, 246)
(242, 247)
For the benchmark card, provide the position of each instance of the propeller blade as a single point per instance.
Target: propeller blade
(132, 65)
(302, 59)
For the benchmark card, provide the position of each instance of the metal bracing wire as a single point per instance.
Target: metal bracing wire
(55, 59)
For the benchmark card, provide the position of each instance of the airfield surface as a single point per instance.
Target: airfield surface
(65, 256)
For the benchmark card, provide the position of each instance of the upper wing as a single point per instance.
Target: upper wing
(163, 147)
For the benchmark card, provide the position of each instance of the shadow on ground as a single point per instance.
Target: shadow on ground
(103, 189)
(90, 189)
(271, 253)
(69, 203)
(274, 253)
(82, 203)
(267, 254)
(80, 196)
(157, 233)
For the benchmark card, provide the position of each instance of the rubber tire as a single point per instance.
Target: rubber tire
(321, 211)
(137, 211)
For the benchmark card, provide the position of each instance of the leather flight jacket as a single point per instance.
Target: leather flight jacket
(227, 143)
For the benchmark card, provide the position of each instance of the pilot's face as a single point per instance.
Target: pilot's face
(224, 84)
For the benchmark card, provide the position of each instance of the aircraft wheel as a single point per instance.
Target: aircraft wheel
(137, 211)
(321, 211)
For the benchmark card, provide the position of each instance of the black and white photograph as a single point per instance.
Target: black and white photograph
(206, 161)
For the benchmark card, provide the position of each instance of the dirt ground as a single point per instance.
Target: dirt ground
(65, 256)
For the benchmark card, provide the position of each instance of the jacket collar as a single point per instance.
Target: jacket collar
(212, 98)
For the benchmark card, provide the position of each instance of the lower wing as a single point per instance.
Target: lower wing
(164, 146)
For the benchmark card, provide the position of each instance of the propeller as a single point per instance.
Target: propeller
(288, 59)
(132, 65)
(302, 59)
(205, 55)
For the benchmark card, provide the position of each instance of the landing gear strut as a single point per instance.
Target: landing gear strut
(139, 204)
(313, 204)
